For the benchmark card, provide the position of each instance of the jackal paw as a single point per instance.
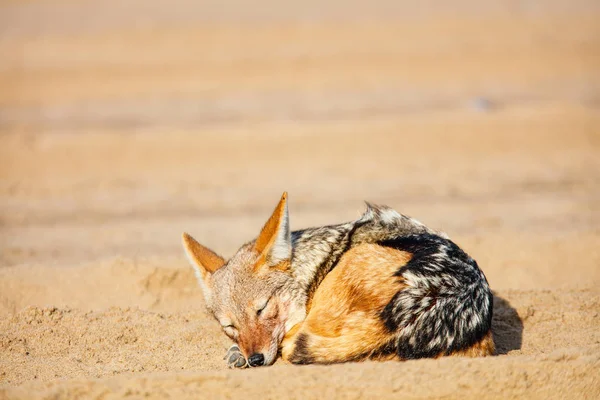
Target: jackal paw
(235, 358)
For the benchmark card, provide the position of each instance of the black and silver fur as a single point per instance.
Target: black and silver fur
(447, 303)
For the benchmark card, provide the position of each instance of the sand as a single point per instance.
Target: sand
(117, 134)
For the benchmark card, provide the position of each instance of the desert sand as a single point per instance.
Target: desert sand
(124, 124)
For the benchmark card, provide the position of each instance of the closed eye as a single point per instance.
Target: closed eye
(227, 324)
(230, 331)
(261, 308)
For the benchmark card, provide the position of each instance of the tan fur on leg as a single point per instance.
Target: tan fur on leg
(344, 322)
(485, 347)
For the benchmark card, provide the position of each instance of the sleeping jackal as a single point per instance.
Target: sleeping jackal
(381, 287)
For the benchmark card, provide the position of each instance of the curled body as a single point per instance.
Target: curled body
(381, 287)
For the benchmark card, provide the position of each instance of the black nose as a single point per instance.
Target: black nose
(256, 360)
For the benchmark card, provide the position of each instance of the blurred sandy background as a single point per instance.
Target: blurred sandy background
(124, 123)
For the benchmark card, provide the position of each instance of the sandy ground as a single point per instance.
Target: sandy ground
(119, 133)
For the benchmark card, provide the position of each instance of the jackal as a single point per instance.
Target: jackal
(381, 287)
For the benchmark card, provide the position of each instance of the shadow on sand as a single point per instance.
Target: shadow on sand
(507, 326)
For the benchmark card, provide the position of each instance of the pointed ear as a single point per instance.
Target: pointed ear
(274, 242)
(204, 260)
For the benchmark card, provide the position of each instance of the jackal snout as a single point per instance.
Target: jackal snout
(243, 293)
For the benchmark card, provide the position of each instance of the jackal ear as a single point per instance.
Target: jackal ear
(204, 260)
(274, 243)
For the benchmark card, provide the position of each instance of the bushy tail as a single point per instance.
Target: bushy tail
(447, 303)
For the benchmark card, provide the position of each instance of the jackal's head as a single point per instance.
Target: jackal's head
(251, 294)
